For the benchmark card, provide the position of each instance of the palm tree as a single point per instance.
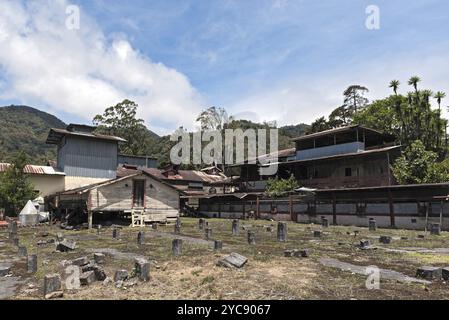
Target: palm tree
(414, 82)
(395, 85)
(439, 96)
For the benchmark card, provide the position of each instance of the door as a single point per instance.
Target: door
(139, 193)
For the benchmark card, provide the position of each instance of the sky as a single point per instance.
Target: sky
(262, 60)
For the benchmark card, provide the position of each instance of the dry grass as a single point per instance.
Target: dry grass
(267, 275)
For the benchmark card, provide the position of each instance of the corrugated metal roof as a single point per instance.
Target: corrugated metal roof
(336, 130)
(186, 175)
(56, 135)
(33, 169)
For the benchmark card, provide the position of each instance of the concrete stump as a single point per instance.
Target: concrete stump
(201, 224)
(178, 221)
(121, 275)
(235, 227)
(251, 237)
(22, 251)
(100, 274)
(116, 233)
(445, 273)
(435, 229)
(52, 286)
(98, 229)
(59, 237)
(317, 233)
(32, 263)
(87, 278)
(141, 238)
(177, 247)
(177, 228)
(365, 244)
(4, 270)
(385, 239)
(234, 260)
(208, 233)
(324, 222)
(66, 245)
(154, 226)
(82, 261)
(142, 267)
(12, 226)
(429, 273)
(15, 241)
(282, 232)
(372, 225)
(218, 245)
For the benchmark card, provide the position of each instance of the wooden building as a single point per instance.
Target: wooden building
(346, 157)
(138, 190)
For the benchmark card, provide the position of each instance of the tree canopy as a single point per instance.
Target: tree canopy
(417, 165)
(15, 187)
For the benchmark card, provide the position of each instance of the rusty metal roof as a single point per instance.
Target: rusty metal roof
(33, 169)
(186, 175)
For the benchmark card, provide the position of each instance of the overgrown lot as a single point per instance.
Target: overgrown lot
(267, 274)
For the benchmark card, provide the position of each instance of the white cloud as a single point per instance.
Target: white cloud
(84, 71)
(303, 99)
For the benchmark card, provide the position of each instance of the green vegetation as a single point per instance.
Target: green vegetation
(15, 188)
(280, 187)
(416, 165)
(25, 129)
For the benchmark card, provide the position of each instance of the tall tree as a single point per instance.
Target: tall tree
(15, 188)
(354, 98)
(214, 118)
(413, 81)
(409, 118)
(121, 120)
(440, 95)
(394, 84)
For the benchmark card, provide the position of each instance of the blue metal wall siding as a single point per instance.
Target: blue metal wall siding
(140, 162)
(89, 158)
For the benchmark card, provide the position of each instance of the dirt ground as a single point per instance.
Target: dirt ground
(267, 274)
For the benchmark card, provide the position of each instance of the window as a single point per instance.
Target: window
(138, 193)
(348, 172)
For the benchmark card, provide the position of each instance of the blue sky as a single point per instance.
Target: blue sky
(280, 60)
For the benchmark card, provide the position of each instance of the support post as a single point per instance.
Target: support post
(257, 207)
(390, 201)
(290, 207)
(89, 218)
(441, 214)
(334, 209)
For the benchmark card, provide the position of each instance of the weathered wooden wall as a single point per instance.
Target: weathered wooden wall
(160, 199)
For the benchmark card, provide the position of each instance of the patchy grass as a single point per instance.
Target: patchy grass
(267, 275)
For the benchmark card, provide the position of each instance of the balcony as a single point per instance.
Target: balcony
(337, 149)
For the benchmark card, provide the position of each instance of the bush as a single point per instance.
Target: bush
(279, 187)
